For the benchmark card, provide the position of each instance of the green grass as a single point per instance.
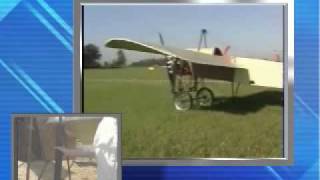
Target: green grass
(247, 126)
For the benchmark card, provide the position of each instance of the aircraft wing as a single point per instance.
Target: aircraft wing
(242, 70)
(188, 55)
(204, 65)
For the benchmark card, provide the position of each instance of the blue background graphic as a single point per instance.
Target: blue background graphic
(36, 77)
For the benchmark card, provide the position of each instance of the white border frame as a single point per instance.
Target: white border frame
(288, 81)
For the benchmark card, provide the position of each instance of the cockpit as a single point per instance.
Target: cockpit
(217, 52)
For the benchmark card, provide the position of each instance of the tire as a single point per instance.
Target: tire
(205, 97)
(183, 101)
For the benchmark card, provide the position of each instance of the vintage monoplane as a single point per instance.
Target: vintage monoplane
(187, 69)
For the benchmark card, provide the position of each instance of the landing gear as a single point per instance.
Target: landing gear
(204, 97)
(183, 101)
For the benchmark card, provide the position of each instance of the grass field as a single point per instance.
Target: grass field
(247, 126)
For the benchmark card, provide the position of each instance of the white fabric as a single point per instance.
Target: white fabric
(105, 142)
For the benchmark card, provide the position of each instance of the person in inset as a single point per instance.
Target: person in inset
(106, 146)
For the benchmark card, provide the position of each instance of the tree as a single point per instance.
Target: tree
(120, 61)
(91, 55)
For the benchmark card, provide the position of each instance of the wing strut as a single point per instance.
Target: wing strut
(235, 89)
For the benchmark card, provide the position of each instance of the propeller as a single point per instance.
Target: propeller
(161, 39)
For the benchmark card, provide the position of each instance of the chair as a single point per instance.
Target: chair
(79, 151)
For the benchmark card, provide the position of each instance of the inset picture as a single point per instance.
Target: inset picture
(66, 146)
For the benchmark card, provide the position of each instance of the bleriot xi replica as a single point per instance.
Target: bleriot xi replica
(187, 69)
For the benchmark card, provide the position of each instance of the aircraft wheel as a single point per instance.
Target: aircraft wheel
(183, 101)
(205, 97)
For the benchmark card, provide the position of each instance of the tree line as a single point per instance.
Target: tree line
(92, 59)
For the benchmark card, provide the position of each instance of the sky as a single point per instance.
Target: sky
(254, 31)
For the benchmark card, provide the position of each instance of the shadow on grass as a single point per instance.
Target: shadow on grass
(247, 104)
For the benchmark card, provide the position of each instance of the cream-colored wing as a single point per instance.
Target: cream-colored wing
(204, 65)
(187, 55)
(262, 72)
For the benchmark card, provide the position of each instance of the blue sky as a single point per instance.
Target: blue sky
(251, 30)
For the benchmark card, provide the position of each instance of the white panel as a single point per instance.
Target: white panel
(262, 72)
